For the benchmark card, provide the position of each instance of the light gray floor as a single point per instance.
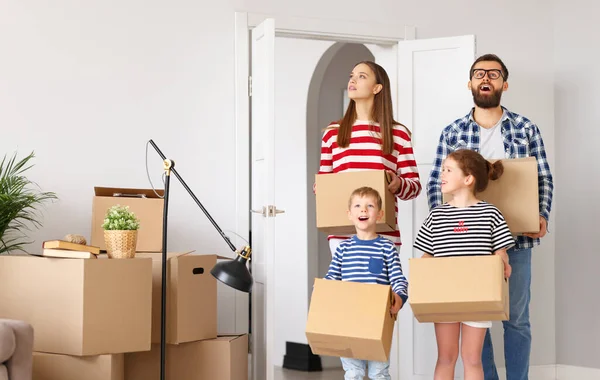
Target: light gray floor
(328, 374)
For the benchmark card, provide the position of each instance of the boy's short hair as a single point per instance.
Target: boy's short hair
(366, 191)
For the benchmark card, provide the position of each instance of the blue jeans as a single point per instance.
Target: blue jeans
(355, 369)
(517, 330)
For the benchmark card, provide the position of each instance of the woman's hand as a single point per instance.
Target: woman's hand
(395, 183)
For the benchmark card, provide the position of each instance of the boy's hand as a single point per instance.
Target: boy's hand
(396, 304)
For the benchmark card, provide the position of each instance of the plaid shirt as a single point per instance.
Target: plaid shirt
(521, 138)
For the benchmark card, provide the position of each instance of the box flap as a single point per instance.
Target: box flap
(127, 192)
(158, 255)
(229, 337)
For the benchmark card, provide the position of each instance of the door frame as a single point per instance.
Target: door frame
(291, 27)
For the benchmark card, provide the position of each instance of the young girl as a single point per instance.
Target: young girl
(464, 226)
(368, 138)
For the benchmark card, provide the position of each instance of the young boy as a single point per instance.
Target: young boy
(368, 258)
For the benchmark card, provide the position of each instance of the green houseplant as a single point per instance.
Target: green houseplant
(120, 232)
(20, 200)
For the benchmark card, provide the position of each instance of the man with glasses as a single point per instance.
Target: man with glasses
(497, 133)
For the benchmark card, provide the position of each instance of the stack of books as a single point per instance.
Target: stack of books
(66, 249)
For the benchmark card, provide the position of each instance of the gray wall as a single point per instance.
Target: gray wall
(577, 114)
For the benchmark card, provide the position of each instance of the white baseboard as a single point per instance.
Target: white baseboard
(567, 372)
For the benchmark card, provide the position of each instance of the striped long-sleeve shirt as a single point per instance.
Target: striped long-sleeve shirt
(521, 138)
(369, 261)
(365, 153)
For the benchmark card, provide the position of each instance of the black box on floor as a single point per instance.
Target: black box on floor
(300, 357)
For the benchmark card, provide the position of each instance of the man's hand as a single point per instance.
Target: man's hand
(395, 183)
(542, 232)
(396, 304)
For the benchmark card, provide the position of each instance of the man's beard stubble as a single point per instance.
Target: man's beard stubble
(486, 101)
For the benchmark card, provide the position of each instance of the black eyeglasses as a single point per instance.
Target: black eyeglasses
(493, 74)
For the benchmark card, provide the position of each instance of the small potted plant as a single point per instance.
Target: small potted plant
(120, 232)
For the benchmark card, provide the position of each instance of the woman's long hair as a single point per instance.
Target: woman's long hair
(382, 112)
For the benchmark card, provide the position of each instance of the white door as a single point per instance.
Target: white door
(387, 57)
(432, 92)
(263, 196)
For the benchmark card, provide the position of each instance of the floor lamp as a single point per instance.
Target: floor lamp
(233, 273)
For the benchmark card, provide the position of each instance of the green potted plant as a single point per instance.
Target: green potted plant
(20, 200)
(120, 232)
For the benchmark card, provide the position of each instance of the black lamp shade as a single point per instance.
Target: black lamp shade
(234, 273)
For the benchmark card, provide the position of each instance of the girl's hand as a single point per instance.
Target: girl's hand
(315, 188)
(507, 268)
(396, 304)
(395, 183)
(427, 256)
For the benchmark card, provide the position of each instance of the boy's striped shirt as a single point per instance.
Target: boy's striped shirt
(369, 261)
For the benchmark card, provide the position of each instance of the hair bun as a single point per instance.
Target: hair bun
(495, 170)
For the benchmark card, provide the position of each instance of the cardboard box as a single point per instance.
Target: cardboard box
(191, 297)
(458, 289)
(223, 358)
(350, 319)
(66, 367)
(333, 193)
(146, 205)
(516, 195)
(77, 306)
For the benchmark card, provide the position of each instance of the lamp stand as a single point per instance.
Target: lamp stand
(169, 167)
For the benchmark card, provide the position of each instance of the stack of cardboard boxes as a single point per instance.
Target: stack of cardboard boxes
(194, 351)
(100, 319)
(85, 313)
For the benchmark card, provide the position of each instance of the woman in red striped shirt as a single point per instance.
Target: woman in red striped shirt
(368, 138)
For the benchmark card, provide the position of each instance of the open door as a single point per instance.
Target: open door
(263, 196)
(432, 93)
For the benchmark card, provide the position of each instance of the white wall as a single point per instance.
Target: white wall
(112, 74)
(577, 119)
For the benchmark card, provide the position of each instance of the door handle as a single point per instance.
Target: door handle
(263, 212)
(273, 210)
(268, 211)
